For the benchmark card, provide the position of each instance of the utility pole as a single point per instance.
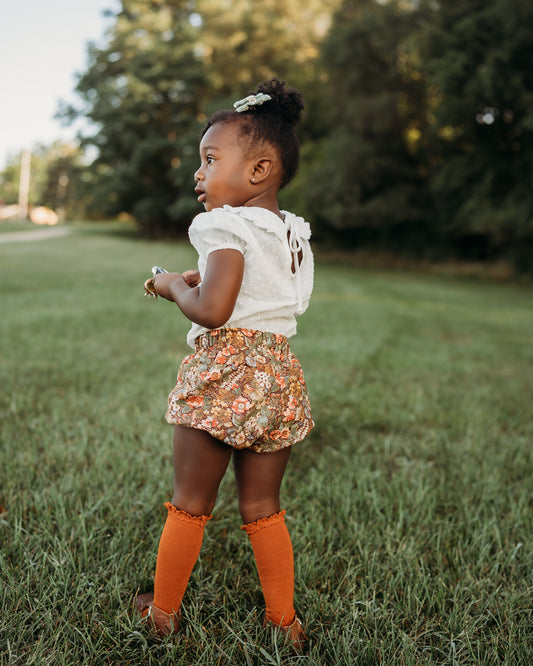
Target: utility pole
(24, 183)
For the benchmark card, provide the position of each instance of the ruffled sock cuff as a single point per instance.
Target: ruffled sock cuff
(252, 528)
(176, 514)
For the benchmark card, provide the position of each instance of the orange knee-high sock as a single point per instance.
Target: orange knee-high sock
(179, 548)
(272, 548)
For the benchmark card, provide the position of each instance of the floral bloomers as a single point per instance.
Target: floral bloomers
(245, 388)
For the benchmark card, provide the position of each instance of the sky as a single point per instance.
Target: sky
(43, 44)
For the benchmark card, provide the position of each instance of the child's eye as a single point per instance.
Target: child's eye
(209, 159)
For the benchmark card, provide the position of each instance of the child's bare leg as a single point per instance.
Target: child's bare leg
(259, 477)
(199, 465)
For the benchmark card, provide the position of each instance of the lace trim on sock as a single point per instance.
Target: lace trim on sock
(185, 517)
(252, 528)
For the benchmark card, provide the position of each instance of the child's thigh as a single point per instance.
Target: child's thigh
(200, 461)
(259, 477)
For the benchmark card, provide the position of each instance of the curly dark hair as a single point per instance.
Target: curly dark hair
(273, 122)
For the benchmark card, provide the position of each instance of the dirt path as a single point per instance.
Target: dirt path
(40, 234)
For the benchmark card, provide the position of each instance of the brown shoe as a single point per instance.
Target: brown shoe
(294, 631)
(163, 623)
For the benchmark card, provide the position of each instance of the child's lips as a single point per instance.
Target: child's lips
(200, 194)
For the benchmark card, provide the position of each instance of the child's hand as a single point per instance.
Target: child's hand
(192, 278)
(149, 285)
(163, 284)
(166, 281)
(149, 289)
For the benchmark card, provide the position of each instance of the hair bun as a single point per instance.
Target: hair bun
(286, 102)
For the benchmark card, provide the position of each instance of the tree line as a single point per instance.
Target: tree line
(418, 130)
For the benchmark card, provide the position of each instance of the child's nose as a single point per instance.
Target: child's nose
(198, 175)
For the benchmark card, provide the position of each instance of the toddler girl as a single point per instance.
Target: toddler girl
(242, 393)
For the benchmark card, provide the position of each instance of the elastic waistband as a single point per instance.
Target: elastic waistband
(240, 337)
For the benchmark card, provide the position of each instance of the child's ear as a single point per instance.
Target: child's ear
(262, 169)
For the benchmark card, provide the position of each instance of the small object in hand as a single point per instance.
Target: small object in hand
(149, 286)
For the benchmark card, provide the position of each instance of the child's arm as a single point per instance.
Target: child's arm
(192, 278)
(211, 302)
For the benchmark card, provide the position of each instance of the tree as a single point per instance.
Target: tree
(166, 64)
(478, 61)
(368, 185)
(244, 42)
(9, 180)
(144, 92)
(62, 188)
(55, 175)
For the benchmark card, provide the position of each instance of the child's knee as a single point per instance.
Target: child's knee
(252, 510)
(195, 505)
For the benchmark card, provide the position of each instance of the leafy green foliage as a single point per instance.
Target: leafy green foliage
(164, 65)
(56, 175)
(478, 60)
(419, 125)
(245, 42)
(368, 177)
(144, 91)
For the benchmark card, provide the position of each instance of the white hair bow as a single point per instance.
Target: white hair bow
(250, 102)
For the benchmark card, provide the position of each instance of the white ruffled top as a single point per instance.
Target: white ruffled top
(271, 294)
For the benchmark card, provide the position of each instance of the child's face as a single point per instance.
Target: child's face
(225, 174)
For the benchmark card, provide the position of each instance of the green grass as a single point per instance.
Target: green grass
(8, 226)
(410, 505)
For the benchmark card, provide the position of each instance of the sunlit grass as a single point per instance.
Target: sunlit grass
(409, 505)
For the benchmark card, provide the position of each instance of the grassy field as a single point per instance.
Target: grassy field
(410, 505)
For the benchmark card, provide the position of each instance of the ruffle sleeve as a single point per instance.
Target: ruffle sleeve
(218, 229)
